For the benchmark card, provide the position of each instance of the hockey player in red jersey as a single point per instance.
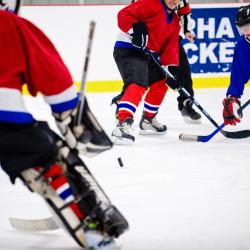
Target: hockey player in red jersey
(185, 105)
(48, 164)
(152, 25)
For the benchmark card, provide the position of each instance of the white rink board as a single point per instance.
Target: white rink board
(67, 26)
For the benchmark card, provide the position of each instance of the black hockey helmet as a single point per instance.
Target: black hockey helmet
(243, 16)
(10, 5)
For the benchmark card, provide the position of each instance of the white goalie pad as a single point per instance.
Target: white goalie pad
(62, 213)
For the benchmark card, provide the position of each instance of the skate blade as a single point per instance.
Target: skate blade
(150, 132)
(122, 141)
(191, 121)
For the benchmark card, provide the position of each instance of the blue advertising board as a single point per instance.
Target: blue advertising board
(216, 35)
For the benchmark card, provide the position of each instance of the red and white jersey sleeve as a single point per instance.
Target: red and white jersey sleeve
(30, 57)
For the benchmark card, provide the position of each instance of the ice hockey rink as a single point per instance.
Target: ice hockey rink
(176, 195)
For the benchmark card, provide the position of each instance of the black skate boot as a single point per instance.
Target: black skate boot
(150, 126)
(189, 114)
(123, 132)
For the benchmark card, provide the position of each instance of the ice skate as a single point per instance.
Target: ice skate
(123, 132)
(150, 126)
(97, 241)
(189, 114)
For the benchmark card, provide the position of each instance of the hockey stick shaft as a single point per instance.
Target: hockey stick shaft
(184, 92)
(85, 71)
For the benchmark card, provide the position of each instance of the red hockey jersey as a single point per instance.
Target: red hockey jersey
(163, 28)
(28, 56)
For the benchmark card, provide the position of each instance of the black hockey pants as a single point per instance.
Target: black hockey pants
(25, 146)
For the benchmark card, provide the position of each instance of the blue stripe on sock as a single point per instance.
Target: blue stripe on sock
(127, 106)
(153, 109)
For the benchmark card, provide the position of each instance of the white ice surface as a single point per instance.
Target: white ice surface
(175, 195)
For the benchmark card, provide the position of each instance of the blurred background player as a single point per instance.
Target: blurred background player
(31, 151)
(184, 74)
(185, 105)
(240, 72)
(153, 25)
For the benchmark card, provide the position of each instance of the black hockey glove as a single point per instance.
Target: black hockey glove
(88, 137)
(173, 80)
(140, 35)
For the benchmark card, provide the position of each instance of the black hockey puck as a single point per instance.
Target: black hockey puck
(120, 161)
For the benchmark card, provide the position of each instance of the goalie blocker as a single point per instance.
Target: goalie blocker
(50, 168)
(88, 137)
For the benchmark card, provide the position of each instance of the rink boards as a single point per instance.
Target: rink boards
(210, 56)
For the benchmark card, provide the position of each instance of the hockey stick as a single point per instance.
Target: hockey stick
(206, 138)
(85, 71)
(34, 225)
(233, 135)
(229, 134)
(94, 136)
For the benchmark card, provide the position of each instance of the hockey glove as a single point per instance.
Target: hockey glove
(88, 137)
(231, 113)
(173, 77)
(140, 35)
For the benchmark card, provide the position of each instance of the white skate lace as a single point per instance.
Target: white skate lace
(155, 123)
(126, 128)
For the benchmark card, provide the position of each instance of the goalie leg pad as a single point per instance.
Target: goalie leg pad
(61, 209)
(92, 199)
(115, 223)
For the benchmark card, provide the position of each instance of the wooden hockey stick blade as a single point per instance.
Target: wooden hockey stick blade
(34, 225)
(188, 137)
